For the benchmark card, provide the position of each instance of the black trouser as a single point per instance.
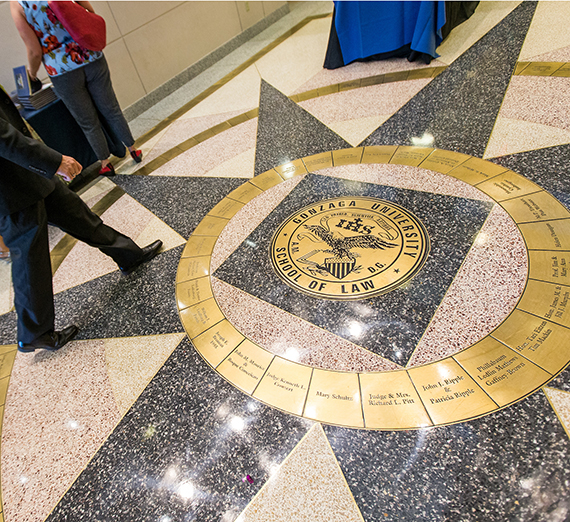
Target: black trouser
(26, 235)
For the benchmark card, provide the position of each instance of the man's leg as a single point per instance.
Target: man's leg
(67, 210)
(25, 234)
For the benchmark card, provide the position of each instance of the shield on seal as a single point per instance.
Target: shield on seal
(339, 267)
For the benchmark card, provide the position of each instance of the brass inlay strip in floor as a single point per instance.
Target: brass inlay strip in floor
(149, 168)
(172, 153)
(557, 69)
(209, 342)
(223, 336)
(511, 362)
(399, 76)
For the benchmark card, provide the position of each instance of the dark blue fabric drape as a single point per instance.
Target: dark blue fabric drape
(368, 28)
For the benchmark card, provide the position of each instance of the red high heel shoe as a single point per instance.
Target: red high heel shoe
(107, 170)
(137, 155)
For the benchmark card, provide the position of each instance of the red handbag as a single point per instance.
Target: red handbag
(86, 28)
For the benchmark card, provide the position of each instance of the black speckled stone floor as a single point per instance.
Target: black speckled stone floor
(187, 434)
(462, 119)
(188, 445)
(286, 132)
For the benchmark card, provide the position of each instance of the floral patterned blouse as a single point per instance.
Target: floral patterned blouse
(60, 52)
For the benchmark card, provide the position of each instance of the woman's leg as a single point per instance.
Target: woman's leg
(98, 81)
(71, 87)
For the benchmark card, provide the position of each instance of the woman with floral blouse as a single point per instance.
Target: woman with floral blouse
(79, 76)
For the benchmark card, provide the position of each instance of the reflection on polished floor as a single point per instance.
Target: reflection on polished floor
(361, 310)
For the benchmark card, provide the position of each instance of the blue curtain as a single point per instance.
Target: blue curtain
(368, 28)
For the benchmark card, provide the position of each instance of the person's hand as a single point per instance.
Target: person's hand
(69, 168)
(35, 84)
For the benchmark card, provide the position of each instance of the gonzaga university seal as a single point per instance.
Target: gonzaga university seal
(349, 248)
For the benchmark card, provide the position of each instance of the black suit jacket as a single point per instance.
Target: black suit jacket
(27, 166)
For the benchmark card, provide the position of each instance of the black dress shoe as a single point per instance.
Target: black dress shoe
(149, 252)
(50, 341)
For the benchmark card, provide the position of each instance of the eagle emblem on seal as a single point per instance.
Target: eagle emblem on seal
(341, 247)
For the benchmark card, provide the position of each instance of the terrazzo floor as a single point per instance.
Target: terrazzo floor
(130, 423)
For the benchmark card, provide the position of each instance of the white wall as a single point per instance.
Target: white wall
(148, 42)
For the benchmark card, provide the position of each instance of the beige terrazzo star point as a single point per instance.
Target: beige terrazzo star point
(356, 131)
(560, 402)
(84, 263)
(486, 16)
(204, 157)
(133, 361)
(548, 31)
(308, 486)
(6, 288)
(375, 100)
(511, 136)
(242, 165)
(239, 94)
(285, 75)
(59, 409)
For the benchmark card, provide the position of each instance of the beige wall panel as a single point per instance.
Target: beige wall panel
(179, 38)
(126, 81)
(249, 13)
(133, 15)
(13, 49)
(104, 9)
(269, 7)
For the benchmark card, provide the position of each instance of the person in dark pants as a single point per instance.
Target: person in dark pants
(31, 196)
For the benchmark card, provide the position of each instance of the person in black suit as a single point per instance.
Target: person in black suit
(31, 196)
